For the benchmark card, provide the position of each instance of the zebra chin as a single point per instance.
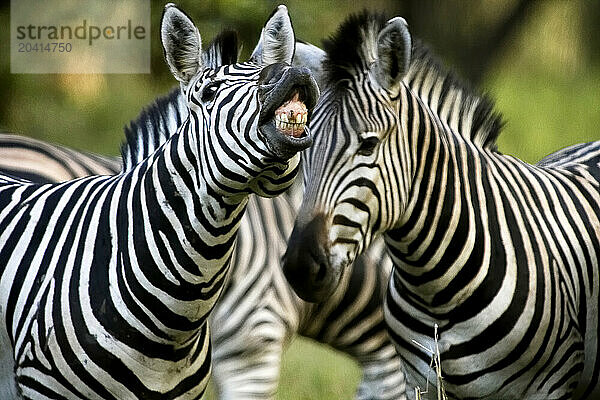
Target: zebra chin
(306, 263)
(289, 95)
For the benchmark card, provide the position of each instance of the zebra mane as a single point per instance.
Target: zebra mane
(161, 119)
(352, 49)
(153, 127)
(223, 50)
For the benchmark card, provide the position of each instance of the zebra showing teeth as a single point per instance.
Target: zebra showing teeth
(286, 92)
(107, 282)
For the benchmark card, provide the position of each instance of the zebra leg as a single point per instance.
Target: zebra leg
(256, 314)
(247, 357)
(383, 376)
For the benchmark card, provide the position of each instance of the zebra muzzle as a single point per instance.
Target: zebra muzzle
(288, 99)
(306, 263)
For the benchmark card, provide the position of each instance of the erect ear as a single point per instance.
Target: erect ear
(310, 56)
(393, 54)
(223, 50)
(181, 44)
(276, 43)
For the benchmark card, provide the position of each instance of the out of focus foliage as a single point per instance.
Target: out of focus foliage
(539, 59)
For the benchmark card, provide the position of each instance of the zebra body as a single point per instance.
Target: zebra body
(107, 281)
(258, 314)
(500, 254)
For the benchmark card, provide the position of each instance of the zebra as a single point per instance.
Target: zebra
(107, 282)
(257, 313)
(42, 162)
(501, 255)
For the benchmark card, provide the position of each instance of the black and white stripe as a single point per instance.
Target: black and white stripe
(502, 255)
(258, 313)
(107, 281)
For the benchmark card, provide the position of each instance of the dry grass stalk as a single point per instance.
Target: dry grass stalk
(436, 364)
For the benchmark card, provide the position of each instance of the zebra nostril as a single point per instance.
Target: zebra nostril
(319, 267)
(321, 272)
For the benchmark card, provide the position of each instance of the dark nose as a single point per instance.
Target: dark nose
(306, 261)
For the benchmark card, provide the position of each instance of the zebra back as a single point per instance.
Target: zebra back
(41, 162)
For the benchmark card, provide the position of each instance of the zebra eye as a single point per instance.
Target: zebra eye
(367, 146)
(209, 92)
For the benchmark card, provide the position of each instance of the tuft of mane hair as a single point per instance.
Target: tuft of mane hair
(159, 121)
(353, 48)
(223, 50)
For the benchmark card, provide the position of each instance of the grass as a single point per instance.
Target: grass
(312, 368)
(435, 366)
(547, 112)
(314, 371)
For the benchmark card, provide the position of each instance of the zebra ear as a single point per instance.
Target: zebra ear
(310, 56)
(393, 54)
(277, 41)
(181, 44)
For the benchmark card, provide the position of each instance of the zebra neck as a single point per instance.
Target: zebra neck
(178, 233)
(435, 237)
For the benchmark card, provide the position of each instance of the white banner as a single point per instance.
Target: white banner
(80, 36)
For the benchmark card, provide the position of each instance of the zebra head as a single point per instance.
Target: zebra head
(248, 119)
(360, 144)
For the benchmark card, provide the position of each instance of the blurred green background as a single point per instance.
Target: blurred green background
(540, 60)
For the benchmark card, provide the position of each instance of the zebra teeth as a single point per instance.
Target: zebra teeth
(291, 117)
(294, 129)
